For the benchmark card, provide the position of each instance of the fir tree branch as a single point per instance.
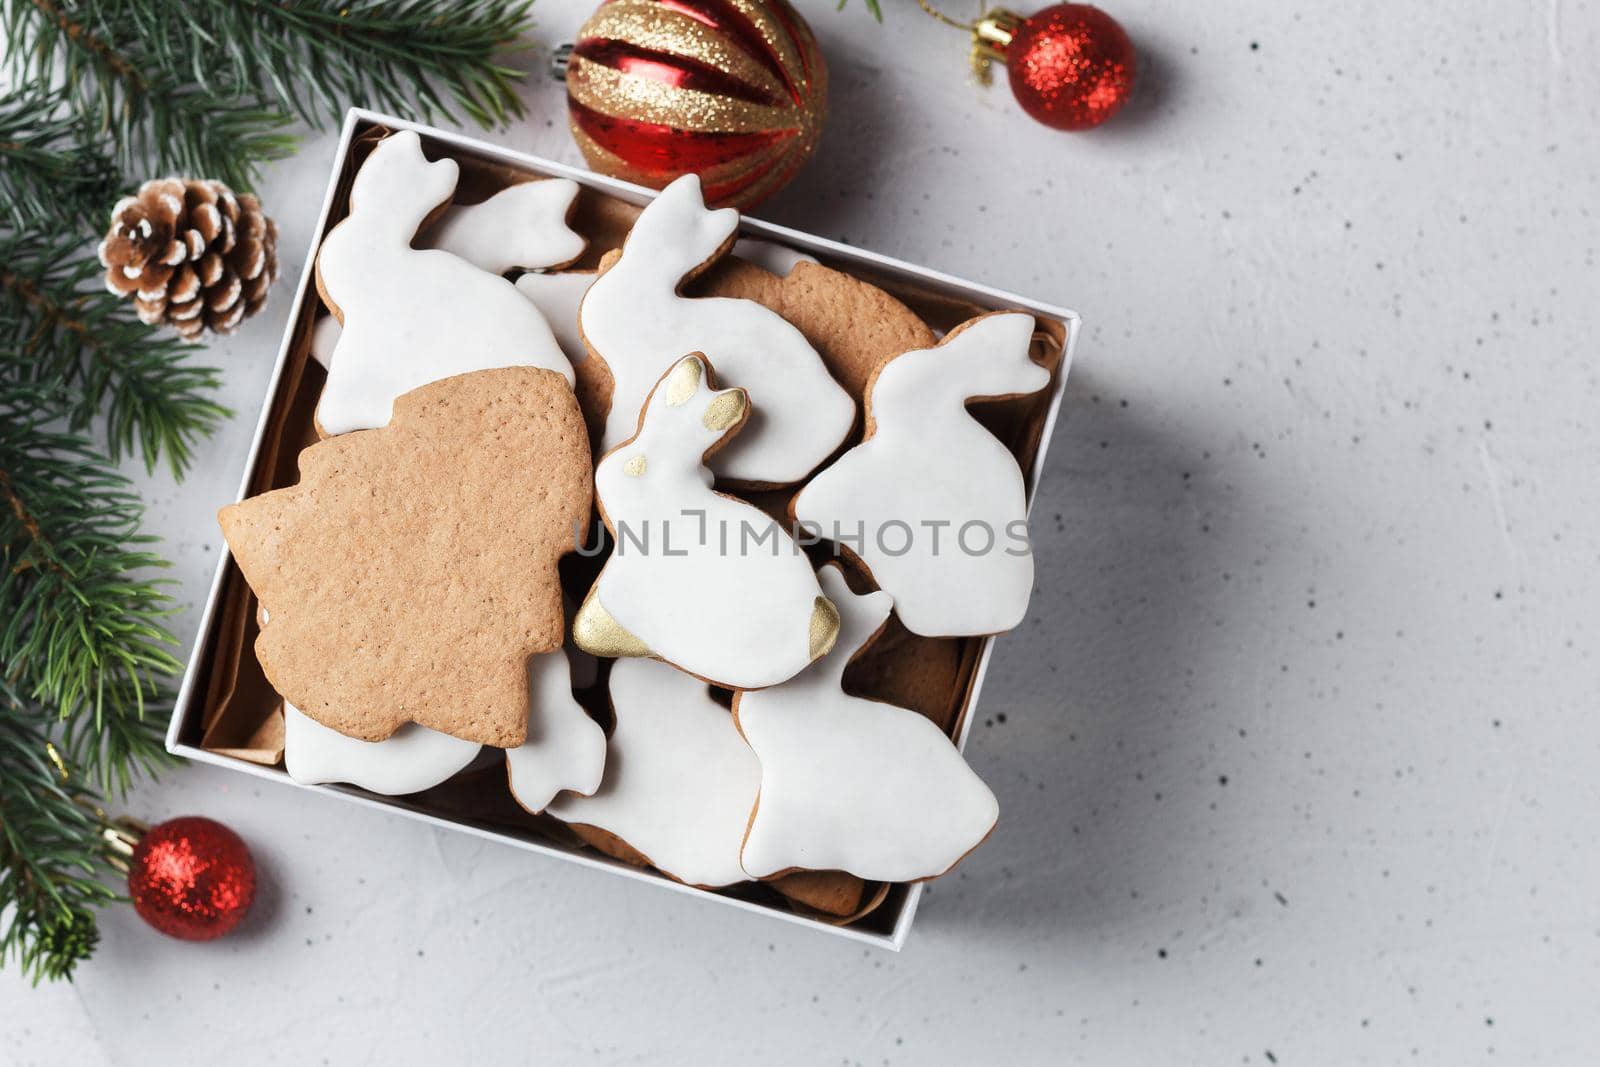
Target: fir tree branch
(81, 624)
(384, 54)
(51, 853)
(50, 172)
(104, 54)
(85, 344)
(202, 87)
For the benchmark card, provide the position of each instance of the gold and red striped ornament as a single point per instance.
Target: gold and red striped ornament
(733, 90)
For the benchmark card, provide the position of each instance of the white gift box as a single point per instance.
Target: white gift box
(888, 925)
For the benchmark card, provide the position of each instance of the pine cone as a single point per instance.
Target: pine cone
(191, 254)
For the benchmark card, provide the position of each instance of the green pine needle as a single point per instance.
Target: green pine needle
(52, 873)
(49, 169)
(204, 88)
(391, 55)
(76, 339)
(81, 622)
(873, 7)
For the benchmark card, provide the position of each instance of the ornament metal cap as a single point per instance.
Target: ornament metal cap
(991, 34)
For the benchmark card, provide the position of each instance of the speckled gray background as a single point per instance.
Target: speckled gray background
(1298, 755)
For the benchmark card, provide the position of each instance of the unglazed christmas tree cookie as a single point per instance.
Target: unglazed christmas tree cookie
(678, 782)
(637, 325)
(565, 749)
(413, 759)
(931, 501)
(699, 579)
(412, 316)
(852, 784)
(411, 572)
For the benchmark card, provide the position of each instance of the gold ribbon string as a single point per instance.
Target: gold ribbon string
(991, 32)
(946, 19)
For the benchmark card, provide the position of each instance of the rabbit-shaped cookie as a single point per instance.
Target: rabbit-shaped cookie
(523, 227)
(565, 749)
(635, 321)
(852, 784)
(412, 316)
(701, 580)
(678, 782)
(931, 501)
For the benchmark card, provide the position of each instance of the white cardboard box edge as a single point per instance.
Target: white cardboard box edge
(354, 119)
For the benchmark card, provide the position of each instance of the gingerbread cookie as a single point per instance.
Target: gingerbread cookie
(412, 571)
(558, 295)
(413, 759)
(855, 326)
(852, 784)
(324, 339)
(636, 324)
(678, 782)
(565, 749)
(931, 501)
(522, 227)
(412, 316)
(699, 579)
(770, 256)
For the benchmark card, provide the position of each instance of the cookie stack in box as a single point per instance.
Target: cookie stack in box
(626, 531)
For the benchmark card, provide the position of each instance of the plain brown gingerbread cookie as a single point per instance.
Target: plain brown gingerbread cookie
(411, 572)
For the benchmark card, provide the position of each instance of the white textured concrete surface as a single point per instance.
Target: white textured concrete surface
(1297, 754)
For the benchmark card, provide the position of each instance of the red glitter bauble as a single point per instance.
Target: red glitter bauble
(1071, 66)
(733, 90)
(191, 878)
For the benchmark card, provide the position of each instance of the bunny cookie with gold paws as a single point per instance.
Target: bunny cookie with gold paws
(699, 579)
(852, 784)
(411, 316)
(637, 324)
(931, 501)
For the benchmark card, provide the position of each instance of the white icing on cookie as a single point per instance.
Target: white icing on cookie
(698, 579)
(521, 227)
(635, 320)
(413, 759)
(932, 502)
(856, 785)
(565, 748)
(557, 296)
(769, 255)
(678, 782)
(413, 316)
(324, 339)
